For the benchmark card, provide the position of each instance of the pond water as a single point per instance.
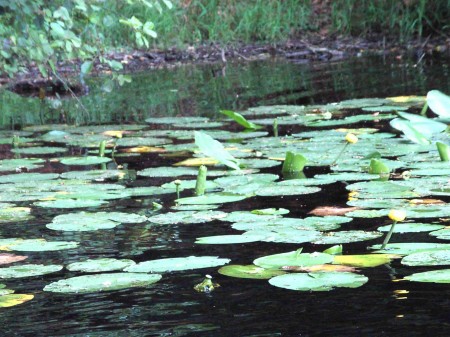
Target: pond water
(387, 305)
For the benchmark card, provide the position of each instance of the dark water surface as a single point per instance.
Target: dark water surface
(240, 307)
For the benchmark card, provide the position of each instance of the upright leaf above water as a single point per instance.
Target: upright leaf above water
(212, 148)
(238, 118)
(439, 103)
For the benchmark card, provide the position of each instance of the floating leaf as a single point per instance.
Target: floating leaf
(238, 118)
(83, 161)
(406, 248)
(100, 265)
(28, 270)
(346, 236)
(411, 227)
(366, 260)
(435, 276)
(177, 264)
(70, 203)
(249, 271)
(10, 258)
(211, 199)
(186, 217)
(430, 258)
(102, 282)
(295, 258)
(230, 239)
(320, 281)
(35, 245)
(439, 103)
(11, 300)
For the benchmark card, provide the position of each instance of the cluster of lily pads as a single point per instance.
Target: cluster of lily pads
(403, 167)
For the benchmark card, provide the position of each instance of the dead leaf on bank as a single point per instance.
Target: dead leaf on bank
(332, 210)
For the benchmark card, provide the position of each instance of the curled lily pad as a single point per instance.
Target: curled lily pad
(28, 270)
(177, 264)
(318, 281)
(249, 271)
(100, 265)
(102, 282)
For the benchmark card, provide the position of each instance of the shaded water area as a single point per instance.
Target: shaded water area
(384, 306)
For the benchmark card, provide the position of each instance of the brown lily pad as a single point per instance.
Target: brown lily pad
(11, 258)
(332, 210)
(321, 268)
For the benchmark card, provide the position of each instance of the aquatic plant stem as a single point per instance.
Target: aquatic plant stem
(339, 155)
(275, 127)
(200, 185)
(388, 236)
(101, 148)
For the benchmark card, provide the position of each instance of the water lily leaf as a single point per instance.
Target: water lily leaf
(410, 130)
(11, 300)
(100, 265)
(141, 141)
(39, 150)
(212, 148)
(210, 199)
(432, 258)
(295, 258)
(346, 237)
(321, 268)
(189, 184)
(334, 250)
(14, 164)
(11, 258)
(82, 161)
(406, 248)
(411, 227)
(238, 118)
(27, 177)
(177, 264)
(197, 162)
(186, 217)
(230, 239)
(175, 120)
(38, 245)
(249, 272)
(439, 103)
(366, 260)
(290, 235)
(15, 214)
(270, 211)
(168, 172)
(443, 234)
(28, 270)
(88, 221)
(331, 210)
(277, 190)
(435, 276)
(70, 203)
(320, 281)
(426, 125)
(102, 282)
(194, 207)
(95, 175)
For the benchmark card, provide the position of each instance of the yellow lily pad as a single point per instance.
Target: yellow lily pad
(11, 300)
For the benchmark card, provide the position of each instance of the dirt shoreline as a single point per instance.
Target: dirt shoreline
(311, 48)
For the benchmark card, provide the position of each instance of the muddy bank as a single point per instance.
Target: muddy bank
(311, 48)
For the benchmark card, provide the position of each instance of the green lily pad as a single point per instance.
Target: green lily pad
(175, 120)
(320, 281)
(295, 258)
(102, 282)
(14, 164)
(411, 227)
(168, 172)
(443, 234)
(70, 203)
(87, 160)
(281, 190)
(97, 175)
(434, 276)
(186, 217)
(15, 214)
(229, 239)
(431, 258)
(88, 221)
(27, 177)
(346, 237)
(270, 211)
(406, 248)
(249, 272)
(100, 265)
(211, 199)
(40, 150)
(177, 264)
(28, 270)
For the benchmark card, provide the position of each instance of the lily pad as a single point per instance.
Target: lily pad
(249, 272)
(406, 248)
(281, 190)
(27, 177)
(11, 300)
(211, 199)
(295, 258)
(186, 217)
(366, 260)
(100, 265)
(40, 150)
(28, 270)
(230, 239)
(102, 282)
(168, 172)
(83, 161)
(346, 237)
(321, 281)
(11, 258)
(177, 264)
(15, 214)
(70, 203)
(435, 276)
(430, 258)
(411, 227)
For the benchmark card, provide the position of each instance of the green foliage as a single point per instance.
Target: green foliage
(45, 33)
